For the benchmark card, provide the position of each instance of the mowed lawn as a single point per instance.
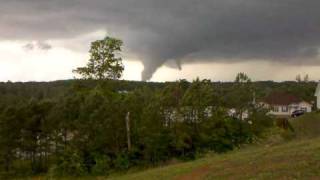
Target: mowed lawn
(299, 159)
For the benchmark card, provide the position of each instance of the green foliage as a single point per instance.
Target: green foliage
(9, 135)
(242, 78)
(293, 160)
(103, 62)
(102, 165)
(69, 163)
(306, 126)
(241, 95)
(80, 129)
(122, 162)
(259, 121)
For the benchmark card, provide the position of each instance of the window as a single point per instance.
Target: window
(285, 109)
(304, 109)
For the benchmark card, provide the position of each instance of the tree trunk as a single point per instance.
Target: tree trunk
(128, 130)
(7, 162)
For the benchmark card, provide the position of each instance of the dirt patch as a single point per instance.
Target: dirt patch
(196, 174)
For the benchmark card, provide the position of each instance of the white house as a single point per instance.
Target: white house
(317, 94)
(282, 104)
(233, 113)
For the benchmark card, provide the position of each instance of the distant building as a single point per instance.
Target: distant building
(317, 94)
(283, 104)
(123, 92)
(233, 113)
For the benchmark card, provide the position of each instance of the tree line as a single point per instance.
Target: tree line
(84, 130)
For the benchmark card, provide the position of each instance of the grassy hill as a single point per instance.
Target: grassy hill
(307, 126)
(297, 159)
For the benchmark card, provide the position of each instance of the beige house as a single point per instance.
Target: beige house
(317, 94)
(282, 104)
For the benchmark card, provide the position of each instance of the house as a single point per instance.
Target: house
(283, 104)
(233, 113)
(317, 94)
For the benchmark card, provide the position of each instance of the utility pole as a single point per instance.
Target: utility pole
(254, 98)
(128, 130)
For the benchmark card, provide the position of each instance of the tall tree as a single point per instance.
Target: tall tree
(10, 134)
(104, 62)
(241, 95)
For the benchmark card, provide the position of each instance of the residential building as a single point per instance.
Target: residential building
(283, 104)
(317, 94)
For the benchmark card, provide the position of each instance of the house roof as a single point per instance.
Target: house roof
(280, 98)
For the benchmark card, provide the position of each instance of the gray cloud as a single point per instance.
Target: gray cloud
(28, 47)
(37, 45)
(44, 46)
(184, 31)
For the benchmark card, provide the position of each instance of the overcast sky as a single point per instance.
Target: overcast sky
(43, 40)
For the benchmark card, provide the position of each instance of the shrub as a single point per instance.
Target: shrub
(122, 162)
(70, 163)
(102, 165)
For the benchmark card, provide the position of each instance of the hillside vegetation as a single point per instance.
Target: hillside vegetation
(307, 126)
(80, 128)
(296, 159)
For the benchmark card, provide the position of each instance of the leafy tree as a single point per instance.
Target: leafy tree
(198, 100)
(242, 78)
(240, 96)
(260, 121)
(36, 133)
(10, 134)
(104, 62)
(78, 127)
(69, 163)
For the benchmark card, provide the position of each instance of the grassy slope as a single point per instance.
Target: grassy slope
(298, 159)
(307, 126)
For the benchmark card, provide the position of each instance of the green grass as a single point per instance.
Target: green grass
(307, 126)
(298, 159)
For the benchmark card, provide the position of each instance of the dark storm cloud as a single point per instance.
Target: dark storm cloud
(176, 30)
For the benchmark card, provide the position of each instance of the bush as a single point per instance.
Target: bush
(22, 168)
(122, 162)
(102, 165)
(70, 163)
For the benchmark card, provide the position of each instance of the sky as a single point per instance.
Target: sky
(44, 40)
